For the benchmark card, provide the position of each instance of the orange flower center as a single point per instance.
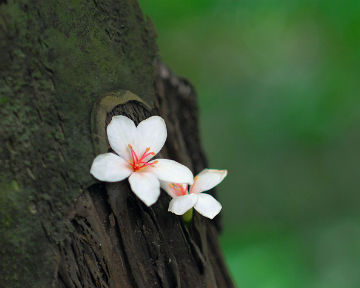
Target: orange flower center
(138, 163)
(179, 189)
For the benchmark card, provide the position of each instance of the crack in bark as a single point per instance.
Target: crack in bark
(57, 59)
(143, 245)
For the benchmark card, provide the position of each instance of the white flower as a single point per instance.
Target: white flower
(135, 146)
(205, 204)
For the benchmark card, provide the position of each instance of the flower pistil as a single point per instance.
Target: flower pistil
(136, 163)
(179, 189)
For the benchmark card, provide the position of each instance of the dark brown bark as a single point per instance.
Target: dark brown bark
(59, 227)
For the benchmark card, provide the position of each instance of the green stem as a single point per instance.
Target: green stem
(188, 216)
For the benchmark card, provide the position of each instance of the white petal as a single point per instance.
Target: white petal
(146, 186)
(169, 188)
(207, 205)
(110, 167)
(166, 186)
(171, 171)
(152, 134)
(207, 179)
(121, 132)
(180, 205)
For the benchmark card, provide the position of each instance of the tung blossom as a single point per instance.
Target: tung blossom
(183, 200)
(134, 148)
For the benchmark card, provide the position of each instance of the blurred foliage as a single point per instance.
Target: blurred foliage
(280, 109)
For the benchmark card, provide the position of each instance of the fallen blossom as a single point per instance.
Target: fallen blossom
(134, 148)
(184, 199)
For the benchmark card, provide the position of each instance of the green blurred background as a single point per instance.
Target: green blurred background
(278, 85)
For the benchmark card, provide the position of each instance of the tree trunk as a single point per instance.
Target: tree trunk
(67, 67)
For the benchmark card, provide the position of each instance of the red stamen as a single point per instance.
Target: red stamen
(146, 153)
(137, 163)
(179, 189)
(135, 155)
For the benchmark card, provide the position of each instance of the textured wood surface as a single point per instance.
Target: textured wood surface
(58, 226)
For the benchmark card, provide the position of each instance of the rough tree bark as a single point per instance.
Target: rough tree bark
(58, 226)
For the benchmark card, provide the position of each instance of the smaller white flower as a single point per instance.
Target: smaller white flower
(134, 147)
(183, 200)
